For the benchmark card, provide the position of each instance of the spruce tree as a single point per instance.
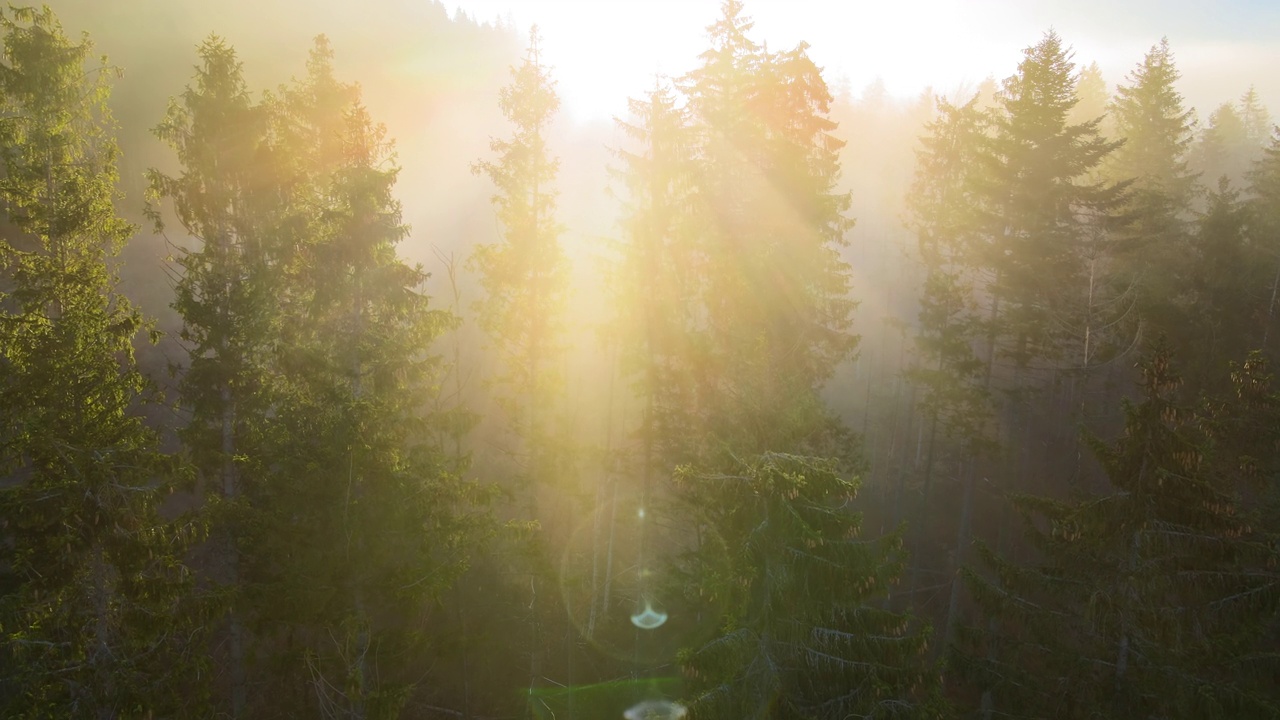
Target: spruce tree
(1145, 601)
(224, 199)
(1038, 191)
(943, 202)
(1226, 286)
(1094, 100)
(1154, 246)
(802, 638)
(524, 273)
(1041, 209)
(776, 313)
(524, 277)
(101, 621)
(657, 289)
(1233, 140)
(1263, 203)
(363, 514)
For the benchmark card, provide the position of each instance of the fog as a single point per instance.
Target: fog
(735, 415)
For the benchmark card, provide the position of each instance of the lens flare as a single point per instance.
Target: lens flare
(655, 710)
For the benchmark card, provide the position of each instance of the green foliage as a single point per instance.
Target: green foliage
(1157, 130)
(1153, 250)
(801, 638)
(656, 286)
(224, 200)
(1041, 198)
(1223, 286)
(943, 203)
(1233, 140)
(524, 275)
(773, 314)
(1145, 601)
(102, 621)
(1263, 228)
(362, 525)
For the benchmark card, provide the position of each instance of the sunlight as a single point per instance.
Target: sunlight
(902, 44)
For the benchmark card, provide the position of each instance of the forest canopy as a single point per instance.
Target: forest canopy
(357, 373)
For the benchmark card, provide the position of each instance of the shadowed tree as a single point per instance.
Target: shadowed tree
(102, 621)
(1145, 601)
(1154, 247)
(802, 638)
(225, 200)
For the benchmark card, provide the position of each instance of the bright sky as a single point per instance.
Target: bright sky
(606, 50)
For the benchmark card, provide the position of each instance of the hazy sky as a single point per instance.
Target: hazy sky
(606, 50)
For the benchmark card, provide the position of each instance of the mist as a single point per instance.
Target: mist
(654, 360)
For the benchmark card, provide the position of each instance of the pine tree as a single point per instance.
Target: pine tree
(1264, 230)
(1233, 140)
(1146, 601)
(802, 638)
(225, 199)
(367, 518)
(657, 277)
(775, 297)
(943, 201)
(1039, 189)
(100, 623)
(1094, 100)
(524, 274)
(1157, 133)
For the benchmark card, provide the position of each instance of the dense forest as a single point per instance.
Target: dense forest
(374, 388)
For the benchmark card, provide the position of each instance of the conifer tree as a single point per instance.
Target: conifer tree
(100, 623)
(1233, 140)
(524, 274)
(365, 513)
(1094, 100)
(1226, 286)
(657, 274)
(1039, 189)
(1157, 130)
(1146, 601)
(777, 314)
(802, 638)
(943, 202)
(224, 200)
(1256, 120)
(1157, 133)
(1264, 231)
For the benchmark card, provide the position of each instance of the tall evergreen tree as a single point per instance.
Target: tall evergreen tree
(524, 274)
(801, 639)
(100, 622)
(1039, 189)
(1041, 206)
(1227, 283)
(1094, 100)
(657, 278)
(1157, 130)
(1145, 601)
(943, 202)
(366, 516)
(1157, 133)
(224, 199)
(1264, 231)
(1233, 140)
(775, 293)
